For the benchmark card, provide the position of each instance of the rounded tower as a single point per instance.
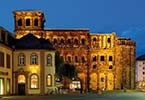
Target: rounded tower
(28, 21)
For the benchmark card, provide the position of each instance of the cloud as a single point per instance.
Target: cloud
(138, 35)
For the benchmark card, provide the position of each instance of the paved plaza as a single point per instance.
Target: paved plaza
(112, 96)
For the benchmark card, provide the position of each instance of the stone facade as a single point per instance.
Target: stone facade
(103, 60)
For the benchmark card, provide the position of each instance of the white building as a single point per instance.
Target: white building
(140, 72)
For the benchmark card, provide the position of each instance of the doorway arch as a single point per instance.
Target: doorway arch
(21, 84)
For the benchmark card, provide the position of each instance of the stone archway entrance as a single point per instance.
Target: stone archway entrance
(21, 85)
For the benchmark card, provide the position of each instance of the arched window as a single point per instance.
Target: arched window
(83, 41)
(69, 59)
(34, 81)
(36, 22)
(94, 39)
(76, 42)
(110, 58)
(21, 59)
(49, 59)
(83, 59)
(94, 58)
(94, 66)
(110, 67)
(20, 22)
(49, 80)
(102, 58)
(55, 41)
(68, 41)
(62, 41)
(76, 59)
(109, 40)
(34, 59)
(28, 22)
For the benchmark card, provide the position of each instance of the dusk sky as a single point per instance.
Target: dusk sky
(125, 17)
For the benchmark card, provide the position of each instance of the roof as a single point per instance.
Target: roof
(66, 29)
(142, 57)
(29, 41)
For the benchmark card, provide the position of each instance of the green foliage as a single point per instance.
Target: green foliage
(58, 62)
(64, 69)
(68, 70)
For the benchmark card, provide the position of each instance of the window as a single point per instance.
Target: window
(21, 59)
(143, 73)
(76, 59)
(8, 61)
(102, 58)
(20, 22)
(68, 41)
(69, 59)
(94, 39)
(55, 41)
(94, 58)
(83, 41)
(49, 59)
(144, 68)
(1, 59)
(94, 66)
(108, 40)
(49, 80)
(83, 59)
(34, 81)
(1, 86)
(62, 41)
(76, 42)
(28, 22)
(8, 85)
(110, 67)
(36, 22)
(110, 58)
(102, 79)
(34, 59)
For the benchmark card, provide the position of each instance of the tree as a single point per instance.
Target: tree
(68, 70)
(64, 69)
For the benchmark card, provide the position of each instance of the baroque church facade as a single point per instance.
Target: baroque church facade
(103, 60)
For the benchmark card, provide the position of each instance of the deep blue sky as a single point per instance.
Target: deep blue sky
(126, 17)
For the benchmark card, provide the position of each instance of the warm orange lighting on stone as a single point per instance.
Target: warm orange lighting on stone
(34, 68)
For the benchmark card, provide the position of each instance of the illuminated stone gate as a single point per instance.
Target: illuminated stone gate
(103, 60)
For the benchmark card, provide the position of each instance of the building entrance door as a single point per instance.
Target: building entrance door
(21, 89)
(21, 85)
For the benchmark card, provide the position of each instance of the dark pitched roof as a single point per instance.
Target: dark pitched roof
(31, 42)
(142, 57)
